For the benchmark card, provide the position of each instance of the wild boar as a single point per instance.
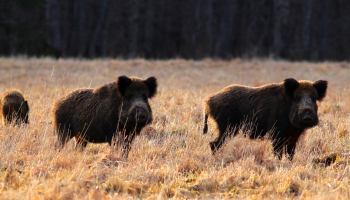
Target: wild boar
(119, 109)
(287, 109)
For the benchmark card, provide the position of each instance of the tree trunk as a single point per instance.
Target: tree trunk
(324, 35)
(133, 27)
(281, 13)
(53, 19)
(197, 23)
(226, 23)
(277, 35)
(149, 21)
(97, 32)
(82, 31)
(306, 30)
(209, 26)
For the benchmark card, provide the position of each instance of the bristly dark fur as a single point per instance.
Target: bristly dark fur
(286, 108)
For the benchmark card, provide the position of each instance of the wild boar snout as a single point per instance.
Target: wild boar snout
(307, 112)
(141, 114)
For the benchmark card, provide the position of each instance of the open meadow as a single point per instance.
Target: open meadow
(171, 158)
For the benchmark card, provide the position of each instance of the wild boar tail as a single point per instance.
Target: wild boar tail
(205, 128)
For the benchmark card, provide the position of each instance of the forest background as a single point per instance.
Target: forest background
(191, 29)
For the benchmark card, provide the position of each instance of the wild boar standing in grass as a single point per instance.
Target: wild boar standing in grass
(118, 109)
(284, 109)
(14, 108)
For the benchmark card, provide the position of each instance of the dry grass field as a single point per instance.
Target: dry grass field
(171, 158)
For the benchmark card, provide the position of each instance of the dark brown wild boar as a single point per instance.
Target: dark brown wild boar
(14, 108)
(118, 109)
(287, 109)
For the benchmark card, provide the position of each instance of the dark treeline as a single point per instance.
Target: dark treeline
(287, 29)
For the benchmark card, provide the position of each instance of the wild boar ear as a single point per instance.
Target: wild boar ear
(290, 84)
(152, 85)
(123, 83)
(321, 87)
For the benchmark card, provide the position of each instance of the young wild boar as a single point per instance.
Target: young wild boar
(97, 115)
(286, 109)
(14, 108)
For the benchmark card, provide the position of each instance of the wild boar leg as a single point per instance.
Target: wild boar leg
(290, 148)
(278, 148)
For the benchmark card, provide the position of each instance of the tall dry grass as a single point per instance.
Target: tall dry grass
(171, 158)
